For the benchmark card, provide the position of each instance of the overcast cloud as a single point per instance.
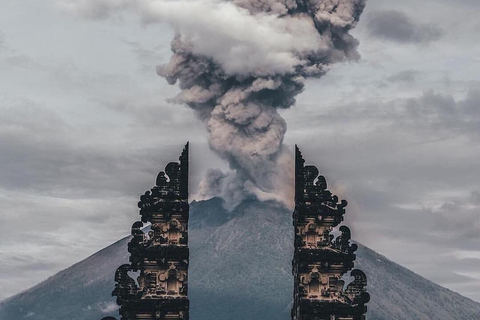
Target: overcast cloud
(85, 126)
(397, 26)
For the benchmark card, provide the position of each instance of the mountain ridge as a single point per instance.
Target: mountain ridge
(240, 268)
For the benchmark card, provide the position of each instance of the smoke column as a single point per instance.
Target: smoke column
(237, 63)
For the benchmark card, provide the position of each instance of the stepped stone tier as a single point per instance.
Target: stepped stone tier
(321, 260)
(160, 258)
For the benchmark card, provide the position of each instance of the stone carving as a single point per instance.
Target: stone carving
(321, 260)
(160, 256)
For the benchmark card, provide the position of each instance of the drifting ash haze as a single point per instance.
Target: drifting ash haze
(237, 63)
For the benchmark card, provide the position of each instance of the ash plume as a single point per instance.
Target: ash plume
(237, 64)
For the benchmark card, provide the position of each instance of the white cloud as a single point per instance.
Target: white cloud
(242, 43)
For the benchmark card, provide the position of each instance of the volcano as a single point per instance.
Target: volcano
(240, 269)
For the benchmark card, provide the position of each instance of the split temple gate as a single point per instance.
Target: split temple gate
(320, 261)
(160, 257)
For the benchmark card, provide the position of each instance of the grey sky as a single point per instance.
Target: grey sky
(396, 26)
(85, 127)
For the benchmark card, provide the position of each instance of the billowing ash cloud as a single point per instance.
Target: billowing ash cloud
(237, 63)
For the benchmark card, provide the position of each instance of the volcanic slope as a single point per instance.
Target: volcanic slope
(240, 269)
